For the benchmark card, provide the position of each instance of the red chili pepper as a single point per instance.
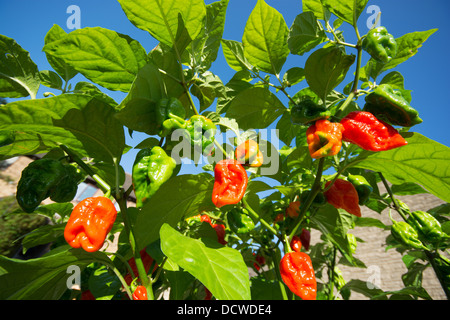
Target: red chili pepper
(366, 131)
(260, 261)
(140, 293)
(324, 138)
(305, 238)
(293, 209)
(297, 273)
(147, 260)
(230, 182)
(219, 228)
(343, 195)
(90, 222)
(296, 244)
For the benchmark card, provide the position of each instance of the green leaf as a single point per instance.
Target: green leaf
(305, 33)
(293, 76)
(181, 196)
(105, 57)
(50, 79)
(422, 161)
(237, 84)
(103, 284)
(19, 75)
(84, 124)
(265, 38)
(255, 108)
(407, 188)
(63, 69)
(326, 68)
(42, 278)
(207, 87)
(408, 45)
(347, 10)
(233, 52)
(221, 269)
(160, 17)
(314, 6)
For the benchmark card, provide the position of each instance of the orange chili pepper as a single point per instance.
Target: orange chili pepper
(297, 273)
(343, 195)
(324, 138)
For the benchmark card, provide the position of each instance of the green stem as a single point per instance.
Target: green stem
(257, 217)
(331, 275)
(122, 281)
(276, 264)
(315, 189)
(391, 194)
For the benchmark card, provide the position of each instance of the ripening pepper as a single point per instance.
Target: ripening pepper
(89, 223)
(259, 261)
(389, 105)
(230, 182)
(324, 138)
(308, 111)
(343, 195)
(151, 169)
(170, 114)
(406, 235)
(362, 186)
(380, 44)
(427, 225)
(45, 178)
(296, 244)
(293, 209)
(248, 154)
(240, 221)
(140, 293)
(201, 131)
(366, 131)
(305, 238)
(297, 273)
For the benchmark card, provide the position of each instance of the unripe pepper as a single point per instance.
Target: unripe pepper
(90, 222)
(45, 178)
(151, 169)
(427, 225)
(201, 131)
(230, 182)
(318, 201)
(308, 111)
(297, 273)
(406, 235)
(170, 114)
(380, 44)
(293, 209)
(239, 221)
(361, 185)
(389, 105)
(140, 293)
(248, 154)
(343, 195)
(366, 131)
(324, 138)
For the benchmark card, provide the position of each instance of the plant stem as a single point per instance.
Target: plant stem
(331, 275)
(257, 217)
(276, 264)
(394, 201)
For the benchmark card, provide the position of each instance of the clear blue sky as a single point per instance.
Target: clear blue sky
(426, 74)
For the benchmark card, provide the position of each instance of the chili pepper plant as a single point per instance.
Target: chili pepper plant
(241, 228)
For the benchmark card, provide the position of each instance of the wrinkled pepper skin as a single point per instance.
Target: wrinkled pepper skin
(308, 111)
(389, 105)
(406, 235)
(170, 114)
(343, 195)
(201, 131)
(248, 154)
(324, 138)
(45, 178)
(90, 222)
(140, 293)
(366, 131)
(297, 273)
(362, 186)
(380, 44)
(293, 209)
(230, 183)
(151, 169)
(296, 244)
(239, 221)
(427, 225)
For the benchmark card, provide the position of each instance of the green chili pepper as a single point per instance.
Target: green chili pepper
(389, 105)
(362, 186)
(308, 111)
(151, 168)
(201, 131)
(170, 115)
(239, 221)
(406, 235)
(427, 225)
(45, 178)
(380, 44)
(318, 201)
